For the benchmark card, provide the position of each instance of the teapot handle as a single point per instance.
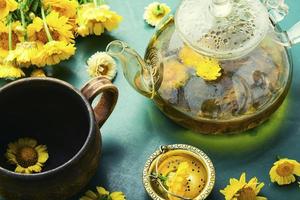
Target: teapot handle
(108, 100)
(294, 34)
(277, 9)
(290, 37)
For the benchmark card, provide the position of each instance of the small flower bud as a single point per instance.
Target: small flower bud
(31, 15)
(20, 30)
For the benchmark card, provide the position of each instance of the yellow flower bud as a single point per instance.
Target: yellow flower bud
(31, 15)
(20, 30)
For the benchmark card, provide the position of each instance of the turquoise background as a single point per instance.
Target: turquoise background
(136, 128)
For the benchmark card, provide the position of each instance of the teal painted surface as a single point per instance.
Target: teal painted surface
(136, 127)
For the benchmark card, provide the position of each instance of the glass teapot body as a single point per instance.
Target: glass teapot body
(215, 79)
(246, 92)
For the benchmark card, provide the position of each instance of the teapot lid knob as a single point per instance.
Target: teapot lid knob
(224, 29)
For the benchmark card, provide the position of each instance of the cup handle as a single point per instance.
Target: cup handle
(108, 100)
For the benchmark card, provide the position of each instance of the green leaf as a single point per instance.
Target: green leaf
(35, 5)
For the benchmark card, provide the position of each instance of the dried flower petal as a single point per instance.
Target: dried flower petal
(101, 64)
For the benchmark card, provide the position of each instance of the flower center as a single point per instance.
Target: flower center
(4, 40)
(285, 169)
(27, 156)
(59, 10)
(2, 4)
(246, 194)
(41, 36)
(102, 70)
(159, 10)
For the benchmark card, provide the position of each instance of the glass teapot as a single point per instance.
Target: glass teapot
(217, 66)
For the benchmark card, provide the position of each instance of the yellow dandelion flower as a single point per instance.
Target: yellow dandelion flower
(155, 12)
(175, 75)
(53, 52)
(67, 8)
(7, 6)
(37, 73)
(101, 64)
(24, 54)
(27, 155)
(241, 190)
(59, 28)
(96, 19)
(207, 68)
(283, 171)
(9, 71)
(103, 194)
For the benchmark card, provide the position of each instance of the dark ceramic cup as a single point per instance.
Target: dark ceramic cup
(57, 115)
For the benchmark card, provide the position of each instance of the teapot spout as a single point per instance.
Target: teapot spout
(136, 71)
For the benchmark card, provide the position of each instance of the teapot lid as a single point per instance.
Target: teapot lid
(224, 29)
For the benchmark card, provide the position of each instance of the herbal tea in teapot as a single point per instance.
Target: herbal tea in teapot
(218, 66)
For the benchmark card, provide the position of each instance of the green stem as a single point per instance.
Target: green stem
(45, 25)
(23, 21)
(161, 177)
(96, 3)
(102, 2)
(10, 34)
(35, 5)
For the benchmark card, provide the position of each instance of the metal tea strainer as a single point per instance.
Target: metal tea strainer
(199, 173)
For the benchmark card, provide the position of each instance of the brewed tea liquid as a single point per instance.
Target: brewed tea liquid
(247, 86)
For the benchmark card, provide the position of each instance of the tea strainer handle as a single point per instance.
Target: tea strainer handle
(108, 99)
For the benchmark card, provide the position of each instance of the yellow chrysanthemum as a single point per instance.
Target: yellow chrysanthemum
(96, 19)
(283, 171)
(3, 41)
(241, 190)
(9, 71)
(35, 31)
(37, 73)
(67, 8)
(155, 12)
(59, 28)
(177, 181)
(53, 52)
(27, 155)
(3, 54)
(4, 46)
(101, 64)
(175, 75)
(7, 6)
(60, 25)
(24, 54)
(103, 194)
(207, 68)
(18, 30)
